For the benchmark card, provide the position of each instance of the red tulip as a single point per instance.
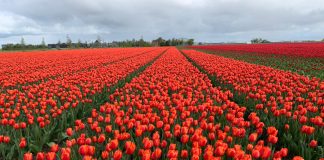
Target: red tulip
(147, 143)
(220, 151)
(159, 124)
(230, 152)
(184, 139)
(50, 156)
(272, 139)
(164, 143)
(202, 141)
(146, 155)
(272, 131)
(284, 152)
(184, 154)
(69, 131)
(130, 147)
(101, 138)
(256, 153)
(28, 156)
(6, 139)
(54, 148)
(118, 155)
(138, 132)
(65, 154)
(286, 127)
(156, 153)
(91, 150)
(22, 143)
(104, 154)
(249, 147)
(298, 158)
(265, 152)
(40, 156)
(307, 129)
(313, 144)
(208, 154)
(253, 137)
(113, 144)
(83, 150)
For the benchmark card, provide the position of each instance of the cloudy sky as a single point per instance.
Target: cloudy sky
(203, 20)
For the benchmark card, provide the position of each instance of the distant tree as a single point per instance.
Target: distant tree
(323, 40)
(22, 45)
(86, 44)
(78, 45)
(22, 42)
(190, 42)
(172, 42)
(68, 41)
(159, 41)
(43, 44)
(259, 40)
(180, 42)
(58, 45)
(167, 42)
(255, 40)
(97, 43)
(141, 42)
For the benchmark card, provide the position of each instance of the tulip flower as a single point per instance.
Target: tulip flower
(130, 147)
(313, 144)
(118, 155)
(28, 156)
(22, 143)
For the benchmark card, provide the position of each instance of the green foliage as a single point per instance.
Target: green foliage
(43, 44)
(99, 43)
(78, 44)
(172, 42)
(68, 41)
(12, 47)
(259, 40)
(131, 43)
(190, 42)
(23, 46)
(22, 41)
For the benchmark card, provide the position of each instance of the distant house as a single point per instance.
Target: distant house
(61, 45)
(5, 46)
(156, 42)
(50, 46)
(64, 45)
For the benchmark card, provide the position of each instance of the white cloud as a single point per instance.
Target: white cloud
(12, 24)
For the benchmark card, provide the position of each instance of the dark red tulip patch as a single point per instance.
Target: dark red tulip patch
(290, 49)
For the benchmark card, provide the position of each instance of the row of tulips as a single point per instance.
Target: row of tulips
(170, 111)
(288, 49)
(38, 66)
(308, 66)
(39, 113)
(290, 102)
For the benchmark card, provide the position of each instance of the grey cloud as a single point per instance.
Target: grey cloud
(204, 20)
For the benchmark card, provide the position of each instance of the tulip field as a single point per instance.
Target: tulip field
(303, 58)
(161, 103)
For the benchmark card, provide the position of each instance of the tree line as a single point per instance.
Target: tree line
(259, 40)
(99, 43)
(23, 46)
